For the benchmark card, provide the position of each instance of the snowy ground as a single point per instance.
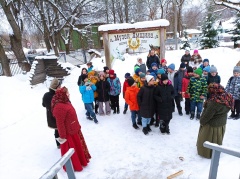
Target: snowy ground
(28, 148)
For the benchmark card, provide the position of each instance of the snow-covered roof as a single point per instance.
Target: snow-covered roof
(46, 57)
(137, 25)
(193, 31)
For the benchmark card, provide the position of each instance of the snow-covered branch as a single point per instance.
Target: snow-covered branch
(233, 4)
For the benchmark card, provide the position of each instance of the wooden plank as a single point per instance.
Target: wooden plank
(175, 174)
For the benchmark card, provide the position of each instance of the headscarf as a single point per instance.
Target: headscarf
(219, 95)
(60, 97)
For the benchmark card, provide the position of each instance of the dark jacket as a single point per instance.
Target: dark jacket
(164, 94)
(103, 88)
(186, 58)
(152, 59)
(146, 102)
(46, 102)
(213, 79)
(178, 76)
(214, 114)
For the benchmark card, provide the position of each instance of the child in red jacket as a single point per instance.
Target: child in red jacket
(185, 82)
(131, 100)
(125, 85)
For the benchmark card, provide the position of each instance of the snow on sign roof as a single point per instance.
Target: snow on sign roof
(137, 25)
(193, 31)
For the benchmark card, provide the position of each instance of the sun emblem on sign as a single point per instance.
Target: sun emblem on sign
(134, 45)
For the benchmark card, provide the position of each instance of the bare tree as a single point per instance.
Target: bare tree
(12, 12)
(4, 62)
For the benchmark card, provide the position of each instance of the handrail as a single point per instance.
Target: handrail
(217, 149)
(64, 160)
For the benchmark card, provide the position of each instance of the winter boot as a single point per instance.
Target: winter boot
(135, 126)
(198, 116)
(157, 124)
(96, 109)
(167, 130)
(180, 112)
(162, 127)
(192, 115)
(125, 111)
(148, 128)
(118, 111)
(187, 113)
(237, 116)
(139, 123)
(95, 120)
(231, 116)
(89, 118)
(145, 130)
(114, 110)
(152, 121)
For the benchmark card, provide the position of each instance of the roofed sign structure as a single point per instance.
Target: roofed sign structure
(133, 38)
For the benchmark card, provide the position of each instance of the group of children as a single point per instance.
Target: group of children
(153, 94)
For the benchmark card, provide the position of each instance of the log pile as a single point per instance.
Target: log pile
(44, 66)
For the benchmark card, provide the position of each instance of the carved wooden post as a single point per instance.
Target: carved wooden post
(107, 49)
(162, 42)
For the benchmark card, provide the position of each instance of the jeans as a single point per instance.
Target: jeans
(134, 114)
(125, 106)
(89, 108)
(195, 104)
(187, 104)
(145, 121)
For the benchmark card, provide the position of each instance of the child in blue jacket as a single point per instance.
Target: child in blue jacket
(87, 91)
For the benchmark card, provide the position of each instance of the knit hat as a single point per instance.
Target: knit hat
(189, 69)
(149, 77)
(127, 75)
(198, 71)
(236, 69)
(205, 60)
(84, 77)
(153, 64)
(164, 77)
(111, 72)
(163, 60)
(54, 84)
(213, 69)
(172, 66)
(89, 64)
(160, 71)
(130, 81)
(187, 49)
(195, 51)
(137, 70)
(105, 69)
(142, 75)
(101, 74)
(182, 65)
(207, 69)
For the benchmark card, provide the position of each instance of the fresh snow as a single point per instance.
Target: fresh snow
(28, 147)
(137, 25)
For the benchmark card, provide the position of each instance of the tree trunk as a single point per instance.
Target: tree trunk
(4, 62)
(16, 37)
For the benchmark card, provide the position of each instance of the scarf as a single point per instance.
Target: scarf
(60, 97)
(219, 95)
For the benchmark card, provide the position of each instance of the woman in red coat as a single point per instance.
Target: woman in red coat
(69, 129)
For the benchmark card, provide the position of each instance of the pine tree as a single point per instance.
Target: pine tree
(236, 31)
(185, 43)
(209, 33)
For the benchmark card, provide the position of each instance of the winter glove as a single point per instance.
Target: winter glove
(60, 140)
(88, 85)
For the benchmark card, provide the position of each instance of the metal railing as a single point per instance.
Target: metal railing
(64, 160)
(217, 149)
